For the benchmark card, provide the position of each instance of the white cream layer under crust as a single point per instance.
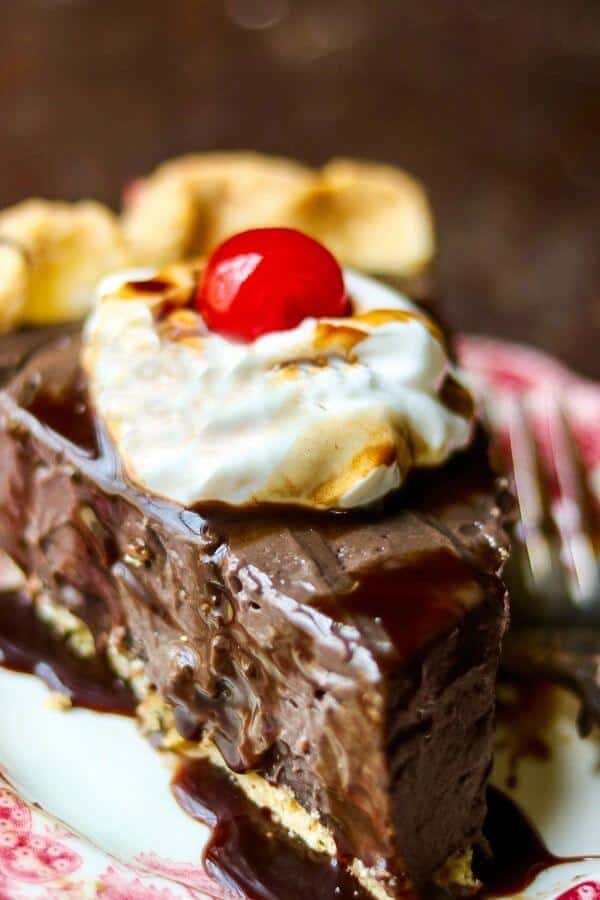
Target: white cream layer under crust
(331, 414)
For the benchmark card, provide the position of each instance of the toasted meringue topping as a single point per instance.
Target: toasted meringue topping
(331, 414)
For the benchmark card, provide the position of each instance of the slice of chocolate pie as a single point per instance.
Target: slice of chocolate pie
(266, 500)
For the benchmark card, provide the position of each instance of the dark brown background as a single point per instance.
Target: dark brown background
(495, 103)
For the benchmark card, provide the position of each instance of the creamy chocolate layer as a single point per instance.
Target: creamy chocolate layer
(349, 657)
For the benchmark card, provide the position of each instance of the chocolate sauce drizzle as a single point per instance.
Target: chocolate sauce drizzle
(436, 590)
(28, 645)
(247, 850)
(517, 850)
(68, 414)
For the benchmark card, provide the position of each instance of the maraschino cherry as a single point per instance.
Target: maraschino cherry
(269, 279)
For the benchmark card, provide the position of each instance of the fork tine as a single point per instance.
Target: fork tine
(538, 529)
(577, 516)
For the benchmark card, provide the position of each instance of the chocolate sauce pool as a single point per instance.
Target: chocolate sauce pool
(248, 851)
(518, 851)
(28, 645)
(68, 414)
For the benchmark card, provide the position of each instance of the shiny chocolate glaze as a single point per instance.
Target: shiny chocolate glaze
(350, 657)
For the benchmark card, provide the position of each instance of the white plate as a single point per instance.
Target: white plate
(122, 836)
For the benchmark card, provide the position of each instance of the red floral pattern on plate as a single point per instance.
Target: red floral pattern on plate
(194, 877)
(37, 860)
(25, 855)
(119, 884)
(587, 890)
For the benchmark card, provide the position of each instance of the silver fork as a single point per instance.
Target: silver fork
(554, 573)
(556, 565)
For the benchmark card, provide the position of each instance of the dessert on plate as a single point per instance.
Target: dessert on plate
(256, 485)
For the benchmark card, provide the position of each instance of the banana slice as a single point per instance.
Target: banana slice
(190, 204)
(13, 284)
(373, 217)
(51, 257)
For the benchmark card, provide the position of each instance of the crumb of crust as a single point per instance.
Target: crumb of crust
(64, 623)
(457, 874)
(373, 217)
(51, 258)
(12, 577)
(57, 701)
(128, 667)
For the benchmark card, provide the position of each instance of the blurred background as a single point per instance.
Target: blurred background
(495, 104)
